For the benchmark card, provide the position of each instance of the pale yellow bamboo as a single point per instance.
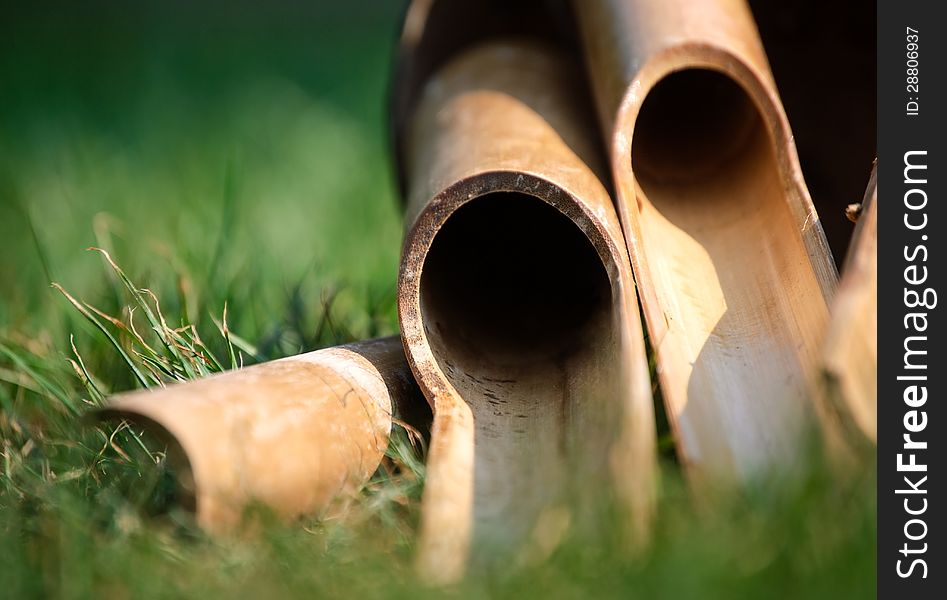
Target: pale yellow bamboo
(732, 266)
(293, 434)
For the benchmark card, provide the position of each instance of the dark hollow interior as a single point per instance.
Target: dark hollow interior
(511, 280)
(692, 123)
(157, 488)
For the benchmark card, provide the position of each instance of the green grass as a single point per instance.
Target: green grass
(238, 159)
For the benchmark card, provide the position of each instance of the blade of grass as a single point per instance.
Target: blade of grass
(48, 386)
(156, 321)
(240, 343)
(88, 381)
(142, 379)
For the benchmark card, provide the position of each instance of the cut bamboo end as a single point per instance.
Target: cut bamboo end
(293, 434)
(732, 266)
(518, 312)
(850, 367)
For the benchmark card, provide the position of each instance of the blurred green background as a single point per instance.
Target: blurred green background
(239, 146)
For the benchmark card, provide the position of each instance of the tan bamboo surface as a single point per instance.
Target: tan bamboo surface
(732, 266)
(518, 313)
(434, 31)
(851, 346)
(293, 434)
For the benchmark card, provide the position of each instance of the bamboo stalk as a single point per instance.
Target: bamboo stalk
(293, 434)
(850, 366)
(732, 266)
(518, 313)
(436, 30)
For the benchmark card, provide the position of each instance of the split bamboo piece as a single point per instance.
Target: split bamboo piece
(518, 313)
(851, 347)
(732, 266)
(293, 434)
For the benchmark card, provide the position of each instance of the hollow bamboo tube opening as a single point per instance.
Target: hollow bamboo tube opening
(510, 281)
(693, 125)
(520, 322)
(729, 269)
(294, 435)
(518, 312)
(732, 266)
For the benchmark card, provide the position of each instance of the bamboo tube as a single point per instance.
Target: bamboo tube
(731, 263)
(518, 313)
(435, 30)
(850, 367)
(292, 434)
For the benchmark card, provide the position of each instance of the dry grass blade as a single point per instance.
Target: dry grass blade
(225, 331)
(171, 341)
(142, 379)
(86, 376)
(179, 354)
(235, 341)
